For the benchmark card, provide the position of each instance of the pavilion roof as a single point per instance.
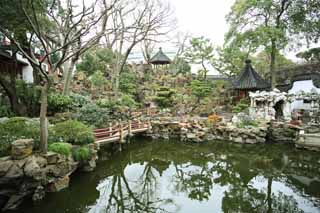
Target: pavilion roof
(160, 58)
(250, 79)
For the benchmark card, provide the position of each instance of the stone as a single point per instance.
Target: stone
(191, 136)
(5, 165)
(22, 148)
(52, 157)
(59, 184)
(39, 194)
(89, 166)
(238, 140)
(31, 168)
(14, 172)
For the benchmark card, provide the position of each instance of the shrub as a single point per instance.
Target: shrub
(29, 96)
(93, 115)
(165, 97)
(78, 100)
(241, 106)
(73, 132)
(61, 148)
(58, 103)
(247, 121)
(5, 111)
(81, 154)
(17, 128)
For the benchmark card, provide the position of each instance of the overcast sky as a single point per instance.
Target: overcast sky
(203, 17)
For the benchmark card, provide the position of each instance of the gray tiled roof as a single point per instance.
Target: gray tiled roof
(250, 79)
(160, 58)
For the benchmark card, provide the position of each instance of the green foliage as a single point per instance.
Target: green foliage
(60, 148)
(128, 101)
(165, 97)
(93, 115)
(247, 123)
(261, 62)
(73, 132)
(128, 83)
(114, 105)
(78, 100)
(272, 26)
(95, 59)
(98, 80)
(58, 103)
(200, 52)
(241, 106)
(5, 111)
(29, 96)
(200, 89)
(228, 60)
(180, 65)
(311, 55)
(17, 128)
(82, 154)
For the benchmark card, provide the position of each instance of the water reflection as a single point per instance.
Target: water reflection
(212, 177)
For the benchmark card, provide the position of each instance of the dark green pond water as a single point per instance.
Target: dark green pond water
(169, 176)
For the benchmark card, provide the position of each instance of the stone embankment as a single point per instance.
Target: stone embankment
(199, 130)
(28, 174)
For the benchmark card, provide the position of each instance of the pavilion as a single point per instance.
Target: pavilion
(249, 81)
(160, 59)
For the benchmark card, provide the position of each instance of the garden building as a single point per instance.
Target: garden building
(249, 81)
(160, 58)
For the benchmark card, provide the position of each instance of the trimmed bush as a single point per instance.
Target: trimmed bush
(93, 115)
(81, 154)
(58, 103)
(73, 132)
(17, 128)
(241, 106)
(61, 148)
(78, 100)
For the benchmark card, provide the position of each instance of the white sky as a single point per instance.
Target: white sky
(203, 17)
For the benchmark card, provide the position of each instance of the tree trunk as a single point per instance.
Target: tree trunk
(68, 76)
(43, 119)
(269, 194)
(272, 63)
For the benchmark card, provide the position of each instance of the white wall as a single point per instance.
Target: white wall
(27, 71)
(305, 86)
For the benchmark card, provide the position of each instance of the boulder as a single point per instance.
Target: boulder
(5, 165)
(14, 172)
(59, 184)
(21, 149)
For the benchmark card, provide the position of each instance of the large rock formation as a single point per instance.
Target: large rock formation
(28, 174)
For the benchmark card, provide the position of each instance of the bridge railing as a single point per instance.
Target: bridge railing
(120, 130)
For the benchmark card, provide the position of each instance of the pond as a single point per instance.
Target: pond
(170, 176)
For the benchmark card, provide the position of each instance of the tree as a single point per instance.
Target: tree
(228, 60)
(135, 22)
(73, 25)
(311, 55)
(273, 24)
(200, 90)
(96, 59)
(262, 60)
(200, 52)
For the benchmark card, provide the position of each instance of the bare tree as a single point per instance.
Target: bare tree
(135, 22)
(67, 38)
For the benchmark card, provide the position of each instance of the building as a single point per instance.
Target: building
(248, 81)
(160, 58)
